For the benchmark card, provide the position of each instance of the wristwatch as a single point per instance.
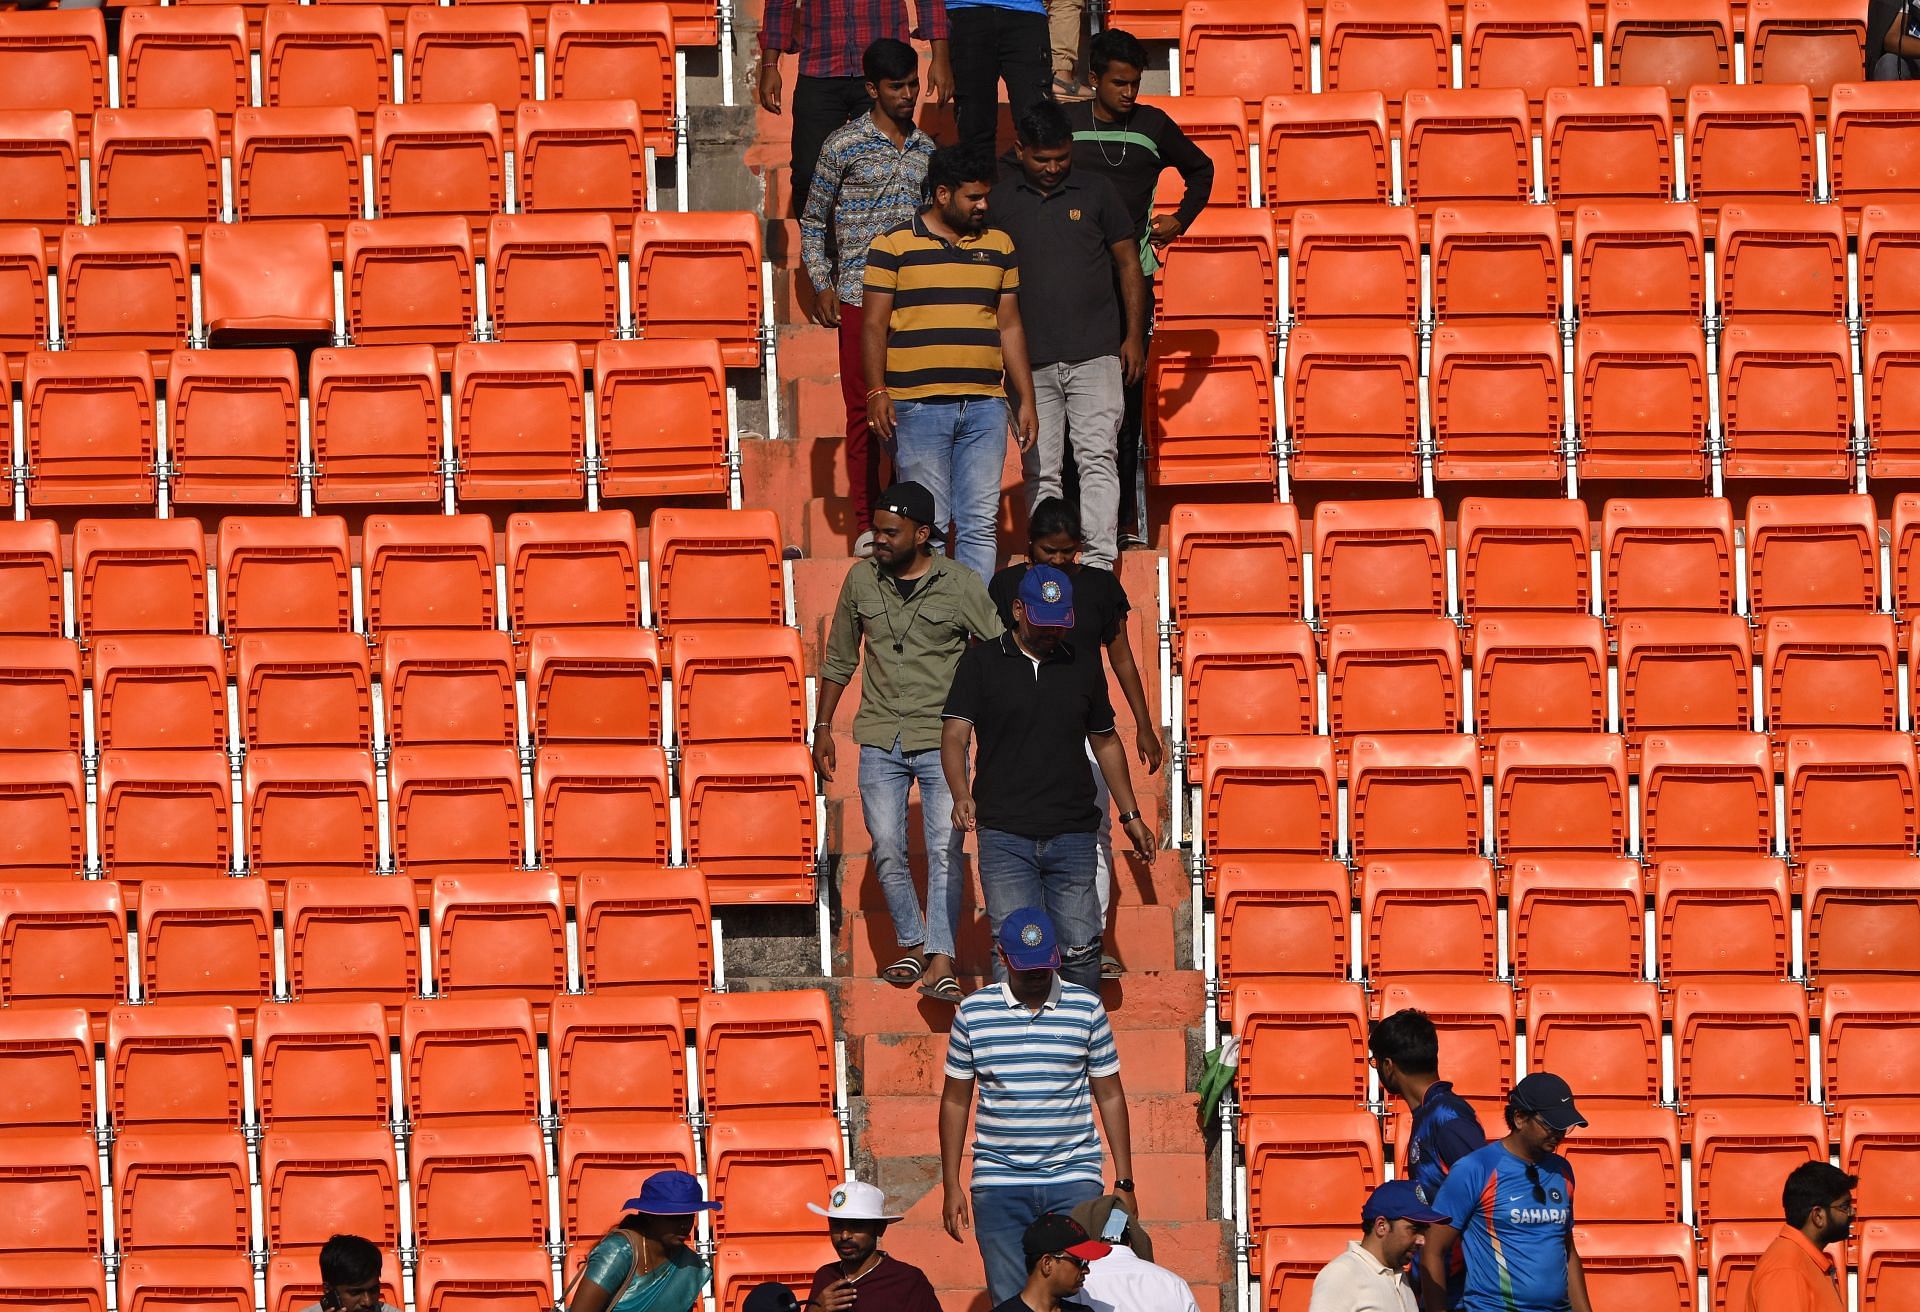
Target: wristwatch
(1129, 817)
(1123, 1186)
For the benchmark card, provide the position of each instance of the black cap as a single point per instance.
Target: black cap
(1056, 1232)
(1547, 1096)
(911, 501)
(770, 1297)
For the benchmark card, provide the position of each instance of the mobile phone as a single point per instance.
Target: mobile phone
(1116, 1227)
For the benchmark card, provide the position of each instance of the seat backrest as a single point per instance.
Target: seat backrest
(470, 1058)
(206, 941)
(1601, 1036)
(573, 570)
(321, 1063)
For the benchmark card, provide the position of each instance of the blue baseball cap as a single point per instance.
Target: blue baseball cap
(1046, 595)
(670, 1193)
(1398, 1200)
(1026, 936)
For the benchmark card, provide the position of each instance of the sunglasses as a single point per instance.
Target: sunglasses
(1080, 1262)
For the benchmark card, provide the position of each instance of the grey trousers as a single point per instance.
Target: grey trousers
(1080, 402)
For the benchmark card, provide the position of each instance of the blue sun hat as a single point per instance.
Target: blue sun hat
(670, 1193)
(1026, 936)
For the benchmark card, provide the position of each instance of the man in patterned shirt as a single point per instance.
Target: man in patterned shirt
(870, 178)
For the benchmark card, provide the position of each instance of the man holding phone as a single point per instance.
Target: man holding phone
(350, 1277)
(1127, 1278)
(856, 1218)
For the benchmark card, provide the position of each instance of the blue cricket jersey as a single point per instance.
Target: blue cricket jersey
(1444, 1130)
(1516, 1227)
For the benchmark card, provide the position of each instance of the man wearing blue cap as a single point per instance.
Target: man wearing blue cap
(645, 1264)
(1040, 1053)
(1031, 800)
(1372, 1275)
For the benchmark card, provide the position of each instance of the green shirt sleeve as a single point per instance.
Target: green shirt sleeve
(842, 656)
(977, 610)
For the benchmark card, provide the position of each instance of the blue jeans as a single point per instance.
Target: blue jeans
(1055, 874)
(885, 778)
(957, 450)
(1001, 1214)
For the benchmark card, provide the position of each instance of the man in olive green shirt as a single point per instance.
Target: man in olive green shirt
(915, 612)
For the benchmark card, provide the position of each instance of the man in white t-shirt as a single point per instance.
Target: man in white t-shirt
(1372, 1275)
(1126, 1279)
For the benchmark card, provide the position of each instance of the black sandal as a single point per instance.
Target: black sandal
(903, 973)
(945, 989)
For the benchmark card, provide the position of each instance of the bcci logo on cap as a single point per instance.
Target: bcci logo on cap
(1030, 934)
(1050, 592)
(839, 1198)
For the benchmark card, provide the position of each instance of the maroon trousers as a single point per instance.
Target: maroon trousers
(863, 453)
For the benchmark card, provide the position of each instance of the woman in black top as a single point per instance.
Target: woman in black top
(1100, 609)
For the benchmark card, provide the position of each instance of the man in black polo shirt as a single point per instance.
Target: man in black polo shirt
(1031, 798)
(1075, 245)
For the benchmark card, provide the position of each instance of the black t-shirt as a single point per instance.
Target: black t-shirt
(1100, 604)
(1030, 773)
(906, 587)
(1064, 241)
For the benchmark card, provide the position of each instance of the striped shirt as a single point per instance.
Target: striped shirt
(863, 185)
(1031, 1069)
(831, 35)
(943, 340)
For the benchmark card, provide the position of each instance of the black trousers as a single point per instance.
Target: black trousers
(821, 106)
(990, 45)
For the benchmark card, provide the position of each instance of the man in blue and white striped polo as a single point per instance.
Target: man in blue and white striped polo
(1040, 1054)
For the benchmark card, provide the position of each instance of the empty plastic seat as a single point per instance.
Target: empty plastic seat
(1333, 1157)
(321, 1063)
(661, 418)
(449, 687)
(1906, 555)
(454, 810)
(1706, 790)
(553, 276)
(518, 1279)
(1234, 562)
(738, 684)
(1749, 142)
(319, 1183)
(1523, 556)
(298, 163)
(139, 576)
(54, 60)
(40, 695)
(1353, 403)
(124, 286)
(65, 945)
(1851, 788)
(1304, 1044)
(1781, 257)
(376, 423)
(1209, 412)
(311, 811)
(31, 586)
(157, 165)
(1684, 672)
(439, 160)
(1602, 1037)
(1815, 42)
(1393, 676)
(1246, 49)
(1476, 1026)
(150, 1282)
(573, 570)
(590, 155)
(1560, 792)
(1638, 258)
(1858, 916)
(1324, 149)
(408, 281)
(470, 1059)
(328, 55)
(1668, 555)
(470, 55)
(1289, 1261)
(1889, 1263)
(1737, 1041)
(624, 52)
(1870, 145)
(1892, 355)
(1266, 795)
(165, 692)
(195, 58)
(47, 1057)
(233, 427)
(1786, 401)
(1643, 405)
(600, 1157)
(1495, 262)
(1812, 553)
(1722, 917)
(1608, 143)
(1466, 146)
(769, 1170)
(206, 941)
(1650, 1265)
(499, 936)
(1430, 917)
(353, 940)
(1414, 793)
(1831, 671)
(715, 567)
(765, 1053)
(698, 275)
(164, 814)
(1547, 43)
(1227, 271)
(519, 421)
(585, 686)
(49, 1194)
(1369, 45)
(1675, 45)
(645, 932)
(1890, 246)
(1280, 922)
(267, 284)
(1877, 1141)
(426, 572)
(1496, 405)
(1628, 1163)
(43, 816)
(1249, 677)
(1866, 1041)
(178, 1191)
(750, 822)
(25, 320)
(1354, 263)
(90, 435)
(41, 151)
(623, 1058)
(1218, 126)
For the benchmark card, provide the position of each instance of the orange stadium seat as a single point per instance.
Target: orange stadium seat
(585, 686)
(1324, 149)
(311, 811)
(1309, 1168)
(91, 432)
(573, 570)
(25, 320)
(1523, 556)
(1638, 1265)
(48, 1060)
(1353, 403)
(646, 932)
(1675, 44)
(31, 587)
(1877, 1142)
(54, 59)
(768, 1171)
(1561, 792)
(1859, 916)
(41, 151)
(1496, 406)
(1706, 790)
(1476, 1026)
(157, 166)
(1812, 553)
(1890, 246)
(1430, 917)
(661, 424)
(174, 1066)
(152, 1282)
(43, 806)
(40, 693)
(470, 55)
(749, 813)
(454, 810)
(1628, 1163)
(1234, 562)
(698, 275)
(321, 1064)
(1781, 258)
(1289, 1261)
(208, 941)
(268, 284)
(195, 58)
(1495, 262)
(1815, 42)
(1638, 258)
(50, 1193)
(1668, 555)
(1354, 263)
(409, 281)
(1892, 362)
(318, 1183)
(1218, 125)
(741, 1265)
(1253, 676)
(1415, 793)
(1749, 143)
(1906, 555)
(376, 423)
(1722, 917)
(1870, 145)
(518, 1279)
(500, 1173)
(738, 683)
(553, 276)
(450, 687)
(1224, 271)
(1249, 49)
(1392, 48)
(65, 945)
(1737, 1041)
(1851, 788)
(353, 939)
(499, 936)
(623, 1060)
(180, 1191)
(165, 815)
(1683, 672)
(1607, 144)
(1643, 406)
(1268, 796)
(428, 572)
(1466, 146)
(624, 52)
(519, 421)
(1786, 394)
(600, 1157)
(1889, 1264)
(471, 1059)
(327, 55)
(439, 160)
(715, 567)
(1830, 671)
(1280, 921)
(139, 576)
(1602, 1036)
(590, 155)
(1151, 20)
(1533, 46)
(765, 1054)
(234, 427)
(1304, 1044)
(1393, 676)
(161, 692)
(1210, 408)
(1866, 1042)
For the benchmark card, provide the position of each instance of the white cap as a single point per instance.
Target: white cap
(854, 1201)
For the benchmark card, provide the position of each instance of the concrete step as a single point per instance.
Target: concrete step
(1141, 937)
(888, 1065)
(1197, 1251)
(1174, 1000)
(1163, 1125)
(1160, 883)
